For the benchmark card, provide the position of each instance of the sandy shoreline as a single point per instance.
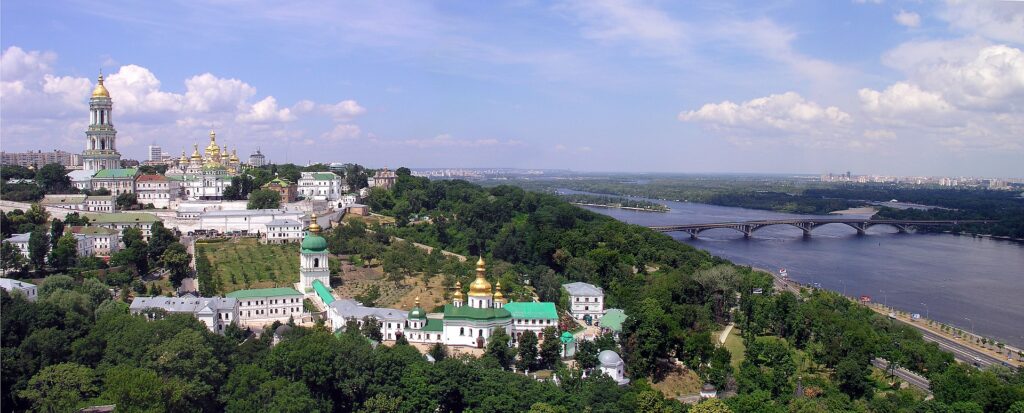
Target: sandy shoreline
(856, 211)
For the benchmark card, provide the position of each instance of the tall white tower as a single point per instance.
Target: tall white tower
(101, 138)
(313, 258)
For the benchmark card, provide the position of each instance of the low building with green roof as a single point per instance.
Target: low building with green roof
(262, 306)
(124, 220)
(117, 181)
(613, 319)
(533, 316)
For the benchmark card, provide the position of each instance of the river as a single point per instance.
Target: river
(953, 279)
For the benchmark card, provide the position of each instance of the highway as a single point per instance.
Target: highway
(961, 351)
(906, 375)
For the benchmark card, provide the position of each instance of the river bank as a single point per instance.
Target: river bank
(620, 207)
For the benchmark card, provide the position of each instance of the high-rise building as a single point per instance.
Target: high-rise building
(155, 153)
(101, 137)
(39, 158)
(257, 159)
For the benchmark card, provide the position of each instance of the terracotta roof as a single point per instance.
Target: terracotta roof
(152, 177)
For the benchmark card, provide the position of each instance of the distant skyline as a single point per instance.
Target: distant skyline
(807, 87)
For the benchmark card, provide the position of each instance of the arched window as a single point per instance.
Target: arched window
(462, 331)
(316, 262)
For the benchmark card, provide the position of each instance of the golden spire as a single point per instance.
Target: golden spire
(100, 91)
(313, 226)
(497, 291)
(480, 287)
(212, 150)
(417, 301)
(234, 155)
(184, 159)
(458, 291)
(195, 152)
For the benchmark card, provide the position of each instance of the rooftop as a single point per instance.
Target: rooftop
(469, 313)
(532, 310)
(283, 222)
(323, 292)
(613, 319)
(122, 217)
(348, 308)
(186, 304)
(248, 213)
(116, 173)
(578, 288)
(263, 293)
(62, 199)
(151, 177)
(92, 230)
(19, 237)
(8, 283)
(80, 175)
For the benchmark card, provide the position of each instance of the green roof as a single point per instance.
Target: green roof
(313, 243)
(567, 337)
(323, 292)
(93, 230)
(434, 325)
(452, 312)
(324, 176)
(262, 293)
(532, 310)
(116, 173)
(417, 313)
(613, 319)
(122, 217)
(279, 181)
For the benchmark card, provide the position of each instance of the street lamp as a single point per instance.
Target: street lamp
(927, 314)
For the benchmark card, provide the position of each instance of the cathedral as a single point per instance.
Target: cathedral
(204, 176)
(468, 320)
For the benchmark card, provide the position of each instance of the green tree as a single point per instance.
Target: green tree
(60, 387)
(371, 329)
(126, 200)
(176, 260)
(853, 378)
(498, 347)
(710, 406)
(11, 258)
(37, 215)
(586, 354)
(56, 231)
(74, 219)
(550, 349)
(53, 178)
(38, 247)
(134, 389)
(382, 403)
(720, 369)
(65, 253)
(264, 199)
(438, 352)
(527, 351)
(159, 239)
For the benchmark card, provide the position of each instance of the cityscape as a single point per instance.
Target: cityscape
(436, 207)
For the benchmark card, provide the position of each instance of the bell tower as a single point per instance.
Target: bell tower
(101, 137)
(313, 258)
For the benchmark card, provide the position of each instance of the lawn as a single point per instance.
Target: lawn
(734, 343)
(245, 263)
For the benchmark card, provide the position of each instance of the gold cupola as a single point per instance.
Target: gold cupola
(480, 287)
(497, 291)
(183, 159)
(100, 91)
(314, 228)
(195, 153)
(234, 155)
(212, 150)
(458, 291)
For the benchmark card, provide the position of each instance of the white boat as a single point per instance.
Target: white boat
(783, 273)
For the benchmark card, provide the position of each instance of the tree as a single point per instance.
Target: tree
(264, 199)
(550, 349)
(11, 258)
(65, 254)
(126, 200)
(853, 378)
(53, 178)
(60, 387)
(498, 347)
(176, 259)
(371, 329)
(710, 406)
(527, 351)
(56, 231)
(438, 352)
(38, 247)
(74, 219)
(721, 368)
(160, 238)
(403, 171)
(37, 215)
(134, 389)
(586, 354)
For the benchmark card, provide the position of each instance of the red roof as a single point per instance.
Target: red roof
(154, 177)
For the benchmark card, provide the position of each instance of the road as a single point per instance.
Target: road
(962, 352)
(904, 374)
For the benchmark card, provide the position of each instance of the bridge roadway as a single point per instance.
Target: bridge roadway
(808, 224)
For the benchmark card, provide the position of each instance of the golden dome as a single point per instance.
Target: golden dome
(234, 155)
(195, 152)
(480, 287)
(458, 290)
(313, 226)
(212, 150)
(497, 291)
(100, 91)
(184, 159)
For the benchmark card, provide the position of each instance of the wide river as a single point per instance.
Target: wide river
(960, 280)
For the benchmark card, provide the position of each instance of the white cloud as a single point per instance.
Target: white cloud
(138, 91)
(208, 93)
(997, 20)
(266, 111)
(901, 99)
(907, 18)
(785, 112)
(342, 132)
(346, 109)
(615, 21)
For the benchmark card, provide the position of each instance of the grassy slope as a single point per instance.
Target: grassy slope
(248, 264)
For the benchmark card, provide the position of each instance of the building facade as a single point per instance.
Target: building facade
(383, 178)
(313, 262)
(116, 180)
(19, 287)
(101, 137)
(39, 158)
(91, 203)
(124, 220)
(281, 231)
(321, 186)
(283, 187)
(257, 159)
(264, 306)
(251, 221)
(20, 241)
(585, 300)
(157, 190)
(102, 241)
(217, 313)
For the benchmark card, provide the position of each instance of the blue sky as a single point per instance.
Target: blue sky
(871, 86)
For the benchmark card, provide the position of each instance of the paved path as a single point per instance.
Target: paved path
(906, 375)
(725, 334)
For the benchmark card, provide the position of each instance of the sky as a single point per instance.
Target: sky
(868, 86)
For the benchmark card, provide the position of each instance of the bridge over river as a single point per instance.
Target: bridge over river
(861, 225)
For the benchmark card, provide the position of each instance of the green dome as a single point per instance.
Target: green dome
(417, 313)
(314, 243)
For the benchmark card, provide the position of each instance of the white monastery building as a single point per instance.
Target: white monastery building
(585, 299)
